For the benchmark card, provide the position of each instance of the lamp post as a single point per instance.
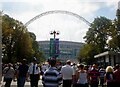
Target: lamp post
(54, 45)
(54, 33)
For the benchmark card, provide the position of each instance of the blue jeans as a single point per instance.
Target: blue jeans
(21, 81)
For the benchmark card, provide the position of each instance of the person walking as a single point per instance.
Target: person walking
(117, 75)
(109, 76)
(67, 74)
(51, 77)
(102, 74)
(8, 74)
(74, 66)
(82, 76)
(22, 73)
(34, 72)
(94, 76)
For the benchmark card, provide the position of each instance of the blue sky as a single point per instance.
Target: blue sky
(70, 28)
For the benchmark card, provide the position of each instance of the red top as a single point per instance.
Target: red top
(94, 74)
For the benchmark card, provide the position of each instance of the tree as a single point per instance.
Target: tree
(24, 48)
(87, 53)
(7, 36)
(98, 33)
(96, 38)
(114, 42)
(37, 53)
(16, 41)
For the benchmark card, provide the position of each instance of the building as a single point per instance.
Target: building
(108, 58)
(68, 49)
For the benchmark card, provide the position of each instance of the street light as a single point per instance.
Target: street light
(54, 33)
(54, 44)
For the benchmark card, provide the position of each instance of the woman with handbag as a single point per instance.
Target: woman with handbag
(8, 75)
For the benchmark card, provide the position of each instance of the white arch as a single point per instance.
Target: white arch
(57, 11)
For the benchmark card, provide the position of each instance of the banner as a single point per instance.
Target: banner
(54, 47)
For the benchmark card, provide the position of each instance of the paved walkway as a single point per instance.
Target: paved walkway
(27, 84)
(14, 83)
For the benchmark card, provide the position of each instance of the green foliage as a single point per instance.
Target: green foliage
(96, 38)
(87, 53)
(97, 33)
(39, 55)
(7, 37)
(114, 42)
(17, 42)
(103, 33)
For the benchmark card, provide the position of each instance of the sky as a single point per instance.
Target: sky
(70, 28)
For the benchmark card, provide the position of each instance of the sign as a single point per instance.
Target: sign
(54, 47)
(57, 47)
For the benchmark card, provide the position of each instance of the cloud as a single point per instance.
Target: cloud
(65, 1)
(70, 27)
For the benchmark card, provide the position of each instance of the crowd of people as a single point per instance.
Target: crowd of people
(67, 75)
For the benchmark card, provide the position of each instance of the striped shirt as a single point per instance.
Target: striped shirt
(51, 78)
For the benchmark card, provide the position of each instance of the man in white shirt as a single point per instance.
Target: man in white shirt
(34, 72)
(74, 74)
(67, 74)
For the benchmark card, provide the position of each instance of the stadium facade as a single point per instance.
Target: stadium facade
(67, 49)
